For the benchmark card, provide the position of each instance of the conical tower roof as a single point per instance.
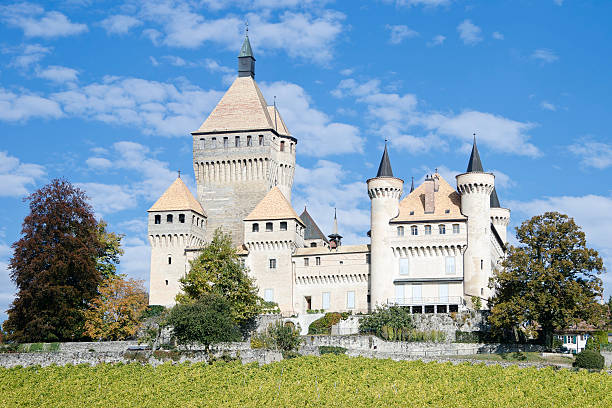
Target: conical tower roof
(384, 169)
(176, 198)
(312, 230)
(274, 206)
(474, 165)
(494, 200)
(246, 50)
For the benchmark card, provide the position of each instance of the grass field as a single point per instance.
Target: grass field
(330, 380)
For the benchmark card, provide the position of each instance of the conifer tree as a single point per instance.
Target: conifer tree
(54, 265)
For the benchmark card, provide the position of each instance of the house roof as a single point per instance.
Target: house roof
(312, 229)
(342, 249)
(177, 197)
(274, 206)
(243, 107)
(384, 169)
(446, 198)
(279, 125)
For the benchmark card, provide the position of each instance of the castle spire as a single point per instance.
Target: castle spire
(384, 169)
(246, 60)
(412, 185)
(335, 238)
(474, 165)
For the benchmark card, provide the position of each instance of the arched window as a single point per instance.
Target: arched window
(442, 229)
(268, 226)
(400, 231)
(158, 219)
(414, 230)
(255, 227)
(428, 230)
(182, 218)
(282, 146)
(169, 218)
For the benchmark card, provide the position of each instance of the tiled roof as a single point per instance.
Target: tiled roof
(274, 206)
(280, 126)
(243, 107)
(177, 197)
(342, 249)
(312, 229)
(446, 198)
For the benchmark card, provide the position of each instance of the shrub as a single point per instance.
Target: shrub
(601, 337)
(152, 311)
(589, 359)
(331, 350)
(278, 336)
(476, 302)
(324, 324)
(592, 344)
(394, 318)
(206, 321)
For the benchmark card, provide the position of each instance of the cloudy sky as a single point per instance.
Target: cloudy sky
(105, 94)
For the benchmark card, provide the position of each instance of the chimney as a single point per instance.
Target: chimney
(429, 195)
(436, 179)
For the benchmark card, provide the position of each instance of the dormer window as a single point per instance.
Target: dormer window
(411, 212)
(446, 211)
(283, 226)
(169, 218)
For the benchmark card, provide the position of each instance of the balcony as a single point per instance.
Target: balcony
(437, 304)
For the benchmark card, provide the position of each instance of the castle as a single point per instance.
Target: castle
(432, 250)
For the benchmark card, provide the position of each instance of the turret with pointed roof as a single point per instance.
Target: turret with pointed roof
(177, 197)
(312, 232)
(246, 60)
(384, 168)
(474, 165)
(334, 237)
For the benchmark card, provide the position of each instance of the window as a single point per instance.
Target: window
(411, 212)
(237, 141)
(341, 262)
(225, 142)
(442, 228)
(282, 146)
(255, 227)
(158, 219)
(428, 230)
(417, 293)
(169, 260)
(400, 231)
(306, 261)
(318, 260)
(414, 230)
(272, 263)
(404, 266)
(249, 141)
(450, 265)
(283, 226)
(313, 244)
(182, 218)
(202, 144)
(214, 142)
(325, 300)
(367, 258)
(269, 295)
(573, 339)
(443, 292)
(169, 218)
(481, 291)
(399, 294)
(261, 140)
(268, 226)
(350, 300)
(481, 264)
(290, 147)
(166, 282)
(455, 228)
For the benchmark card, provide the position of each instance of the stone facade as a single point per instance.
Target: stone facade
(431, 249)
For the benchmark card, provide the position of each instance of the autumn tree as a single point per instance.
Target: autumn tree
(110, 250)
(115, 314)
(550, 281)
(218, 270)
(54, 265)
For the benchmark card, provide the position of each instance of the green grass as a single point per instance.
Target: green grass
(331, 380)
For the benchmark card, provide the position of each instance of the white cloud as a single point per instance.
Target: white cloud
(35, 22)
(99, 163)
(591, 212)
(318, 134)
(437, 40)
(119, 24)
(397, 115)
(300, 35)
(544, 55)
(16, 177)
(153, 107)
(14, 107)
(469, 33)
(497, 35)
(326, 186)
(346, 72)
(32, 53)
(136, 260)
(400, 32)
(108, 198)
(58, 74)
(548, 106)
(593, 153)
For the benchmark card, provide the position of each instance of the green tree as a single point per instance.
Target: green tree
(206, 321)
(218, 270)
(110, 250)
(54, 265)
(550, 280)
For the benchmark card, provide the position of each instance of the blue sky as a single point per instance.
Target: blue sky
(105, 94)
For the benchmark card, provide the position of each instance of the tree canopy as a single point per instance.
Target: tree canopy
(218, 270)
(110, 250)
(549, 282)
(57, 265)
(115, 314)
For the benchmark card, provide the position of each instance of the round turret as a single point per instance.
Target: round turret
(500, 217)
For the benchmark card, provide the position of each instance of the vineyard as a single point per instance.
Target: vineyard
(330, 380)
